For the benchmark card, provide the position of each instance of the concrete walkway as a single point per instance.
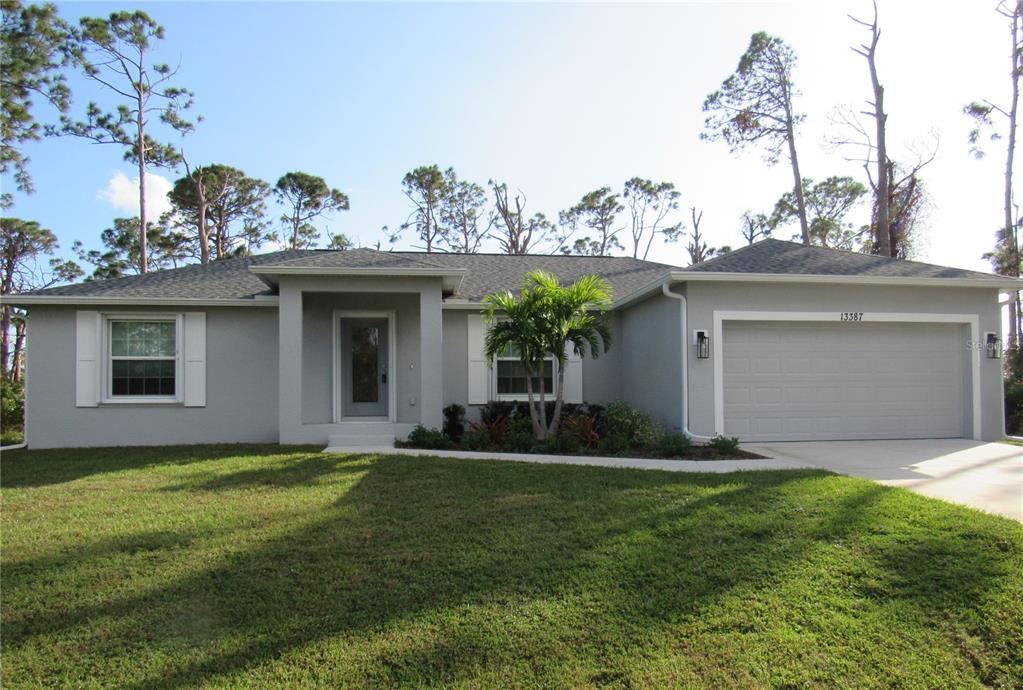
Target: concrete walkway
(988, 476)
(719, 466)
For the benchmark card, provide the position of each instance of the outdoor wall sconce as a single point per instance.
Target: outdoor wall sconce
(993, 345)
(702, 342)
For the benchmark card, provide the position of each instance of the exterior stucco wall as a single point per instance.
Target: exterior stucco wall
(318, 350)
(456, 357)
(602, 376)
(241, 386)
(651, 359)
(705, 297)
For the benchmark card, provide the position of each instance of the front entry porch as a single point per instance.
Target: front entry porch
(360, 359)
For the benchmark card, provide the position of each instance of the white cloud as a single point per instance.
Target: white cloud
(122, 193)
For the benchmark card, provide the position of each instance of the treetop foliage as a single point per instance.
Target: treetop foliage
(754, 104)
(34, 47)
(305, 198)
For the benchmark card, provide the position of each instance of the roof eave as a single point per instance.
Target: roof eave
(113, 300)
(641, 293)
(451, 277)
(904, 281)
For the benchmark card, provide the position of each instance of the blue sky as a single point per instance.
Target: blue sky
(556, 100)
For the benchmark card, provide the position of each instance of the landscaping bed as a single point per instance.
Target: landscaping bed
(615, 430)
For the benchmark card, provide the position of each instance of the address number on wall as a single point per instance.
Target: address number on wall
(851, 316)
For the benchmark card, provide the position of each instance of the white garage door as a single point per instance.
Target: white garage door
(827, 381)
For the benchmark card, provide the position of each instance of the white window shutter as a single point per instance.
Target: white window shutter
(88, 334)
(573, 376)
(479, 372)
(195, 359)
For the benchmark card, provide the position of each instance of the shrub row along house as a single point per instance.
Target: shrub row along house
(776, 341)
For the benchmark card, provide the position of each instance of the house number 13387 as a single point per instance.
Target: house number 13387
(852, 316)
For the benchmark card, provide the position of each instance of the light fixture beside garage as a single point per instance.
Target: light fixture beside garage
(702, 342)
(993, 344)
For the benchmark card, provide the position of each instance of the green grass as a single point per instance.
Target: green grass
(11, 436)
(254, 567)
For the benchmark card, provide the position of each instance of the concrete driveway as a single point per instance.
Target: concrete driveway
(988, 476)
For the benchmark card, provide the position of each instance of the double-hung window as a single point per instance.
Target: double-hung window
(142, 361)
(511, 376)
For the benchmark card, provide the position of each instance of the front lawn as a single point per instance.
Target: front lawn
(255, 567)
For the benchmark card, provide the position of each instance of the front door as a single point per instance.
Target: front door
(364, 358)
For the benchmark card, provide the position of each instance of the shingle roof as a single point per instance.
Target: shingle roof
(485, 273)
(227, 279)
(355, 258)
(790, 258)
(489, 273)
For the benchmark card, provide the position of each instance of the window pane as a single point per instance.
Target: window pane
(511, 378)
(142, 377)
(365, 358)
(142, 338)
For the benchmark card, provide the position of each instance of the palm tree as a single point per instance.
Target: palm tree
(542, 322)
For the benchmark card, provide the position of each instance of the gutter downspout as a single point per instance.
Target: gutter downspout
(683, 308)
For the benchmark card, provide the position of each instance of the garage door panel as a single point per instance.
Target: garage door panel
(826, 380)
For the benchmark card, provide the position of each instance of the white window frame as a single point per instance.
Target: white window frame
(520, 397)
(108, 398)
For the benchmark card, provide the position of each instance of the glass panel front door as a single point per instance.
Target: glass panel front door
(364, 359)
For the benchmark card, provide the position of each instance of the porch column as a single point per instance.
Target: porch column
(289, 363)
(431, 358)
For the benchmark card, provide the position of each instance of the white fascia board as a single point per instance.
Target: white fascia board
(708, 276)
(29, 300)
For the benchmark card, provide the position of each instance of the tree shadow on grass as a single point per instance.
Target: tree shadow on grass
(428, 571)
(30, 468)
(288, 471)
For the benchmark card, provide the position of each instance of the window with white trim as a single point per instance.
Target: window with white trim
(511, 376)
(142, 357)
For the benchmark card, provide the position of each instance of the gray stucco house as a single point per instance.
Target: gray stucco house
(775, 341)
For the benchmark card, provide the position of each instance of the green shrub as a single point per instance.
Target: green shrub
(519, 441)
(724, 445)
(676, 445)
(495, 428)
(12, 404)
(429, 439)
(521, 423)
(584, 427)
(495, 410)
(565, 442)
(477, 439)
(614, 443)
(636, 426)
(454, 422)
(648, 435)
(1014, 408)
(1014, 392)
(11, 436)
